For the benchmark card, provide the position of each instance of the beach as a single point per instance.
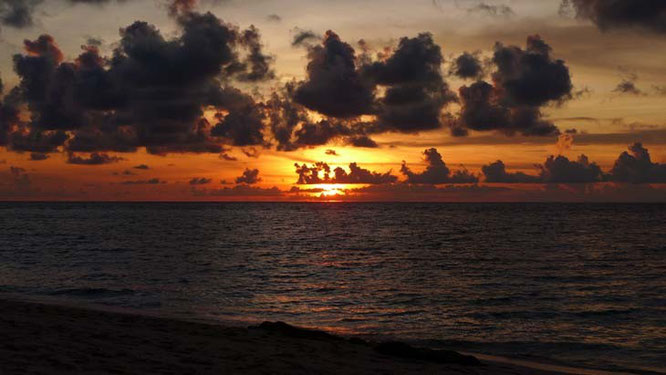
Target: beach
(51, 338)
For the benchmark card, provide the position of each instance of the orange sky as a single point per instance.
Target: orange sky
(607, 120)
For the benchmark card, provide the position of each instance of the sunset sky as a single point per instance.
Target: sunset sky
(396, 100)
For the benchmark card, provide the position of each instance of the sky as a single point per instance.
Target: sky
(322, 100)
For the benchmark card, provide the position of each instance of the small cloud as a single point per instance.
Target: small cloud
(141, 166)
(249, 176)
(273, 18)
(627, 87)
(38, 156)
(251, 152)
(304, 37)
(493, 10)
(200, 181)
(362, 141)
(331, 152)
(94, 159)
(227, 157)
(152, 181)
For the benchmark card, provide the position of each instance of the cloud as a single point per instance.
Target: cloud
(320, 173)
(637, 167)
(559, 169)
(20, 179)
(627, 87)
(333, 86)
(358, 175)
(141, 166)
(496, 172)
(362, 141)
(331, 152)
(304, 38)
(644, 14)
(467, 66)
(249, 177)
(17, 13)
(152, 181)
(320, 133)
(200, 181)
(492, 10)
(273, 18)
(242, 126)
(415, 91)
(240, 191)
(258, 65)
(565, 141)
(151, 93)
(436, 172)
(179, 8)
(524, 81)
(36, 156)
(94, 159)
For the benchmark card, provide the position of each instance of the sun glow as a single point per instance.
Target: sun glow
(331, 190)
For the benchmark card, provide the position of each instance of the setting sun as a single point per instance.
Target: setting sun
(331, 190)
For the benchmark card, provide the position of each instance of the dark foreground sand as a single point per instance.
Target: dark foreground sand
(51, 339)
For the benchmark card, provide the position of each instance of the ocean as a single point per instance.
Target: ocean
(575, 284)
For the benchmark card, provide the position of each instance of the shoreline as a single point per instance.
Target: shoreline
(47, 336)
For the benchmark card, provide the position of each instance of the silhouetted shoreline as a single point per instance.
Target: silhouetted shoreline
(47, 338)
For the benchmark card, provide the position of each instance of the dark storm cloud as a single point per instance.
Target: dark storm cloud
(467, 66)
(151, 93)
(637, 167)
(559, 169)
(436, 172)
(524, 81)
(496, 172)
(320, 173)
(416, 92)
(249, 177)
(200, 181)
(94, 159)
(645, 14)
(333, 86)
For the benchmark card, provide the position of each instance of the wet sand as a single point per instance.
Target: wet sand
(40, 338)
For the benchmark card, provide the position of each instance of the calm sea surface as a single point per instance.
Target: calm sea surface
(579, 284)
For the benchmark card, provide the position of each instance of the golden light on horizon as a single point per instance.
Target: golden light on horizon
(331, 190)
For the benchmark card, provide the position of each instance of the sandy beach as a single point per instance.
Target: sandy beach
(42, 338)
